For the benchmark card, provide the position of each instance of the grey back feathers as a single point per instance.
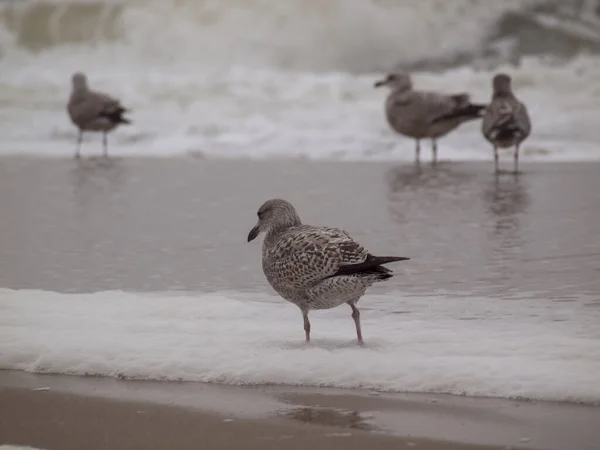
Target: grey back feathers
(314, 267)
(91, 110)
(425, 114)
(506, 122)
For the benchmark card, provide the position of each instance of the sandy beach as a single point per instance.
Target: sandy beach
(62, 421)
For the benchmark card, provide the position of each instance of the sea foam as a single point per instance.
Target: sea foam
(465, 346)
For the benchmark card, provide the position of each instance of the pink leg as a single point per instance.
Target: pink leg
(356, 317)
(306, 325)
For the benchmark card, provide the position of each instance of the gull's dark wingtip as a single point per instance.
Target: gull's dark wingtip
(370, 265)
(389, 259)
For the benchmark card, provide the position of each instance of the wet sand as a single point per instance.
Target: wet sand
(62, 421)
(154, 224)
(62, 412)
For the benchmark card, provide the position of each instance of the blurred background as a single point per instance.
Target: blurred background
(257, 78)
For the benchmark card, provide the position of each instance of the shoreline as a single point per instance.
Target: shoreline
(76, 422)
(531, 159)
(382, 420)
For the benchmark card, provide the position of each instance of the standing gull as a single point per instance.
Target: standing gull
(506, 122)
(93, 111)
(315, 267)
(424, 114)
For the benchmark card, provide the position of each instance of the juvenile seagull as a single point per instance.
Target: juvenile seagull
(315, 267)
(93, 111)
(506, 122)
(424, 114)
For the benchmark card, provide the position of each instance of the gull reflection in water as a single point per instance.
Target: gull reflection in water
(505, 199)
(93, 178)
(415, 190)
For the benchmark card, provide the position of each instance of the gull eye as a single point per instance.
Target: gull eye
(261, 214)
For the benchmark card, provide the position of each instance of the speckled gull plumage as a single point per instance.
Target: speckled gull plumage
(506, 121)
(93, 111)
(315, 267)
(425, 114)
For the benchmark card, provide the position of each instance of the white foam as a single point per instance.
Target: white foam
(530, 348)
(265, 114)
(299, 88)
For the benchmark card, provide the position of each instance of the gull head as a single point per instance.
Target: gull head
(79, 81)
(397, 81)
(501, 84)
(274, 215)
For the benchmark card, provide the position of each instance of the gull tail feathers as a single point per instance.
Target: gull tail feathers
(116, 116)
(471, 111)
(371, 265)
(507, 130)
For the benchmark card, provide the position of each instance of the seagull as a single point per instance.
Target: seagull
(315, 267)
(425, 114)
(93, 111)
(506, 122)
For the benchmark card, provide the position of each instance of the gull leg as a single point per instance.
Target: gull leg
(496, 159)
(105, 144)
(418, 150)
(516, 168)
(78, 145)
(434, 148)
(306, 325)
(356, 317)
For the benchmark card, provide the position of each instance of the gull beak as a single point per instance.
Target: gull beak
(253, 233)
(380, 83)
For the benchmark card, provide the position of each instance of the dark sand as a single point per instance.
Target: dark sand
(154, 224)
(56, 421)
(62, 412)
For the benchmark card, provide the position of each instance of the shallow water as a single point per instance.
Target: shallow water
(139, 224)
(501, 296)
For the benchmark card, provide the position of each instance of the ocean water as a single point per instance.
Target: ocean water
(257, 79)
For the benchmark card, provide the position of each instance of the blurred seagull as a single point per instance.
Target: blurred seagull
(425, 114)
(506, 122)
(93, 111)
